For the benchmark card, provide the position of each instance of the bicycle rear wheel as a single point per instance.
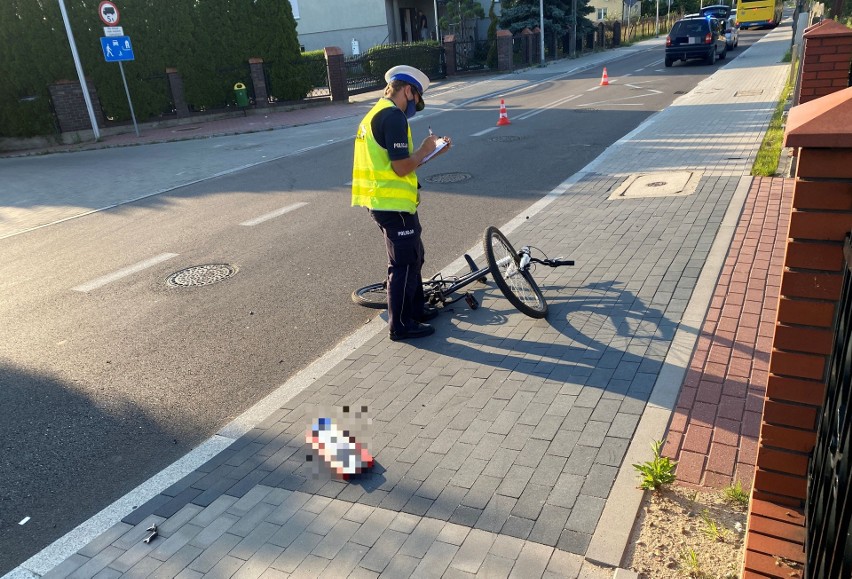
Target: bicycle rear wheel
(518, 286)
(372, 296)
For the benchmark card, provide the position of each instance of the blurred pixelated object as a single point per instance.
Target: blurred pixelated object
(340, 451)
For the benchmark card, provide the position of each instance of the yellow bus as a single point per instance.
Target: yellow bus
(759, 13)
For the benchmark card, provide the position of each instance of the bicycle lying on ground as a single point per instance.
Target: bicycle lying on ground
(511, 270)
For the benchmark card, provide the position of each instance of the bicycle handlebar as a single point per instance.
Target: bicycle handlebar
(552, 262)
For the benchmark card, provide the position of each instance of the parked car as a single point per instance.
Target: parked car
(696, 37)
(732, 31)
(717, 11)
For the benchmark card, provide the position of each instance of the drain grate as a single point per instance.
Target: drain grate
(448, 177)
(201, 275)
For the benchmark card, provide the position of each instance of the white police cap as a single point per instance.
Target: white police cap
(412, 76)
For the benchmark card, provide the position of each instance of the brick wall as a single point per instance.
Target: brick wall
(258, 82)
(70, 106)
(821, 218)
(336, 65)
(825, 65)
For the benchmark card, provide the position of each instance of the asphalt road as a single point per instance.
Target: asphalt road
(109, 374)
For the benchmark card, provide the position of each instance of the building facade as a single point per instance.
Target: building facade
(357, 25)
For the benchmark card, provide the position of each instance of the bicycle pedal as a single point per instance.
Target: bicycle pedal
(471, 301)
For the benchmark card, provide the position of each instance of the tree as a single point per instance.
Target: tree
(460, 18)
(558, 16)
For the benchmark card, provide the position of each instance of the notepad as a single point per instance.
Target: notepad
(439, 146)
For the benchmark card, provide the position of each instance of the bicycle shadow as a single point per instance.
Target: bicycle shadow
(598, 335)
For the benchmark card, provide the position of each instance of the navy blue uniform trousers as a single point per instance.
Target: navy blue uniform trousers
(405, 260)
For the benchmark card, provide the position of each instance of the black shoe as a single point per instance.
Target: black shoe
(418, 331)
(430, 312)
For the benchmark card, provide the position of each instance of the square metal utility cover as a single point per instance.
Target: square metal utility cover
(670, 184)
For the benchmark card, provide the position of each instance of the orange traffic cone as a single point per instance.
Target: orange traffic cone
(504, 116)
(604, 78)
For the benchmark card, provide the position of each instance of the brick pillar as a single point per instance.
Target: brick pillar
(336, 64)
(821, 218)
(70, 106)
(535, 39)
(450, 53)
(526, 39)
(504, 50)
(810, 290)
(258, 81)
(178, 96)
(825, 65)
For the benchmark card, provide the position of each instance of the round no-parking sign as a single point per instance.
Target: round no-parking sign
(108, 13)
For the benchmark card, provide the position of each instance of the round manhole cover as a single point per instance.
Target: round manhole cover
(656, 184)
(505, 138)
(201, 275)
(448, 177)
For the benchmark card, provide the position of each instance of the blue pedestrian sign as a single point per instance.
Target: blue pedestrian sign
(117, 48)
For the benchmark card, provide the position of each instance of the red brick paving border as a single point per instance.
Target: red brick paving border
(715, 426)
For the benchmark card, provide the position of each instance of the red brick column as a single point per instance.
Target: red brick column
(527, 39)
(811, 282)
(70, 106)
(450, 53)
(825, 65)
(504, 50)
(178, 95)
(336, 65)
(258, 81)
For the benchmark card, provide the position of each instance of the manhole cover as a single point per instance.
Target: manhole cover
(749, 93)
(201, 275)
(448, 177)
(505, 138)
(670, 184)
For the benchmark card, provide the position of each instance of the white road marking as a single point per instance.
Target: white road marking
(24, 521)
(109, 278)
(548, 106)
(614, 103)
(273, 214)
(480, 133)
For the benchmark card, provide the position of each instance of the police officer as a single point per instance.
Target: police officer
(383, 181)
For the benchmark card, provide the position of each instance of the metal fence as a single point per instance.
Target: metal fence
(473, 55)
(317, 70)
(828, 543)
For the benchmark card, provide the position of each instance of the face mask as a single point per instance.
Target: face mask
(410, 109)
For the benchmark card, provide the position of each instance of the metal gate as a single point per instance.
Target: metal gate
(828, 544)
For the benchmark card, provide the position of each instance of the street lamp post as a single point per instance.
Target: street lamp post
(79, 67)
(541, 27)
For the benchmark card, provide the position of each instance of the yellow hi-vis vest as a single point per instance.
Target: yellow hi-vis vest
(374, 183)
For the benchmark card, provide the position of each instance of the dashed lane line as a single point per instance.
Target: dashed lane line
(273, 214)
(111, 277)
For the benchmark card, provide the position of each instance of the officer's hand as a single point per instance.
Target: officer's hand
(429, 144)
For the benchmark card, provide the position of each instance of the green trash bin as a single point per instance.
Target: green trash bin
(241, 95)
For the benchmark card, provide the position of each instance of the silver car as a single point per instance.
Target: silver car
(732, 31)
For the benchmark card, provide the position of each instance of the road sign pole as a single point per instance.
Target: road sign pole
(129, 102)
(80, 74)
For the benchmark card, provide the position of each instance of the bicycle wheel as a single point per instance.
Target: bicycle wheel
(372, 296)
(518, 286)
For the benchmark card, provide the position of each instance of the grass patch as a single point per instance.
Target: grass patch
(735, 494)
(766, 162)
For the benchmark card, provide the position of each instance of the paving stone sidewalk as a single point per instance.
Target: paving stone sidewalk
(501, 440)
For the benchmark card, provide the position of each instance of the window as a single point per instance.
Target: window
(295, 5)
(601, 13)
